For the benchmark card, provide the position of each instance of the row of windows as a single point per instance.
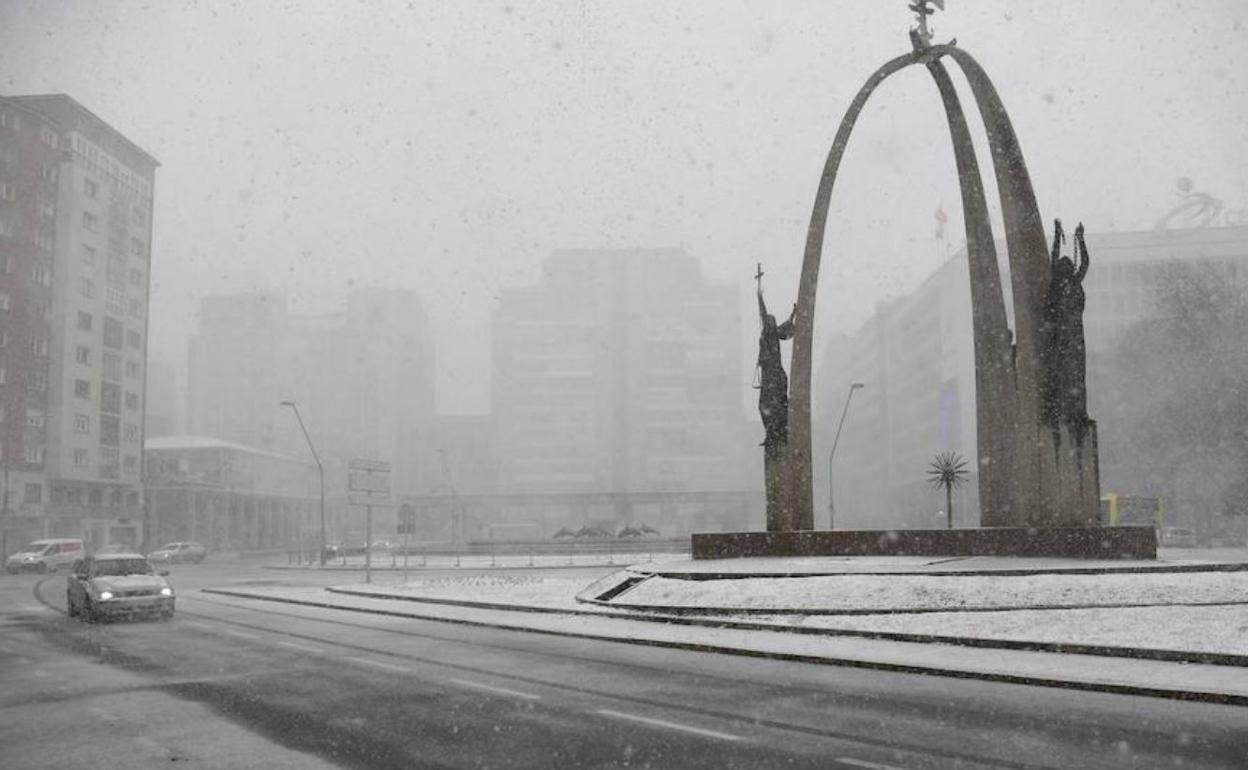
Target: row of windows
(110, 395)
(108, 459)
(36, 380)
(82, 424)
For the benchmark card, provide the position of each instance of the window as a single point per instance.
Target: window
(35, 419)
(84, 321)
(110, 430)
(114, 332)
(82, 389)
(3, 376)
(132, 401)
(82, 423)
(110, 367)
(130, 464)
(10, 120)
(83, 355)
(7, 191)
(48, 137)
(135, 308)
(90, 188)
(89, 221)
(41, 274)
(4, 338)
(4, 301)
(39, 348)
(34, 494)
(86, 288)
(136, 248)
(32, 454)
(88, 254)
(133, 369)
(115, 273)
(110, 398)
(38, 381)
(43, 310)
(114, 300)
(132, 433)
(136, 277)
(139, 215)
(134, 339)
(81, 458)
(48, 173)
(7, 267)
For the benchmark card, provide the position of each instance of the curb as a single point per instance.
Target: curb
(1062, 648)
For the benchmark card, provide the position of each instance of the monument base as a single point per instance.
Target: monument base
(1054, 542)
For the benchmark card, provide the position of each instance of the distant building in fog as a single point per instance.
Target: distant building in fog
(163, 407)
(75, 238)
(915, 357)
(620, 372)
(363, 379)
(231, 497)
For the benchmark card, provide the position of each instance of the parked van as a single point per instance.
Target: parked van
(46, 555)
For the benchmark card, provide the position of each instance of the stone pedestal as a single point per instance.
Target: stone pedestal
(1051, 542)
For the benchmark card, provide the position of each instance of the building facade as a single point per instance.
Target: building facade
(915, 358)
(75, 251)
(620, 372)
(232, 497)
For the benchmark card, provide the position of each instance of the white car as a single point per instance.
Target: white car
(45, 555)
(177, 553)
(117, 584)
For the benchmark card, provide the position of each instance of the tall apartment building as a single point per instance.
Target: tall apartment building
(363, 379)
(620, 371)
(915, 358)
(75, 240)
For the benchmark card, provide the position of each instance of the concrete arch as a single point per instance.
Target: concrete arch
(1006, 374)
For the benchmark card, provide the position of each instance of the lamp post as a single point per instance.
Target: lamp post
(320, 469)
(832, 454)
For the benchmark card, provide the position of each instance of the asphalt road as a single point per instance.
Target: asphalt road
(236, 683)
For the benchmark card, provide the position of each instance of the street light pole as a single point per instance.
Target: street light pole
(835, 441)
(320, 469)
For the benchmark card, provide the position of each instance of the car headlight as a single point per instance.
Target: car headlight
(106, 595)
(166, 591)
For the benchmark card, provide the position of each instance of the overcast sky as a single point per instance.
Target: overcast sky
(449, 147)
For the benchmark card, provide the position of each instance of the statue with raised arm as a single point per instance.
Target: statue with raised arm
(1065, 394)
(773, 387)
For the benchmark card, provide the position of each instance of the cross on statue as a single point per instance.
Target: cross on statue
(758, 276)
(922, 9)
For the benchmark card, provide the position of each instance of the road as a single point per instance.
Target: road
(237, 683)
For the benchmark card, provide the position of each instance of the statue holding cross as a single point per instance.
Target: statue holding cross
(773, 383)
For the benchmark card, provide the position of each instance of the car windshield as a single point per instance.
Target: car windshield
(170, 546)
(40, 548)
(119, 567)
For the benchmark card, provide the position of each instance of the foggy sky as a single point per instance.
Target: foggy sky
(449, 147)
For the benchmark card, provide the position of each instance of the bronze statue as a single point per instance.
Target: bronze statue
(1064, 388)
(773, 387)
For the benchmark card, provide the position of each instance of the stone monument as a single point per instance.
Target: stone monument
(1038, 474)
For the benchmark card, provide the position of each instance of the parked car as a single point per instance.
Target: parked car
(178, 553)
(1178, 537)
(115, 585)
(45, 555)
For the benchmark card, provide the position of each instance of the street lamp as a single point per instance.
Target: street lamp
(835, 441)
(320, 469)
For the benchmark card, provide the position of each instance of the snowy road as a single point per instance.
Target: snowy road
(284, 684)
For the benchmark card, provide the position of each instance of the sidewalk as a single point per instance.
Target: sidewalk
(547, 605)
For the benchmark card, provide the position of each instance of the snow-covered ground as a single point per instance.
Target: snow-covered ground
(859, 593)
(1215, 629)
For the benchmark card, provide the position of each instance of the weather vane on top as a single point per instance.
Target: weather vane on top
(922, 36)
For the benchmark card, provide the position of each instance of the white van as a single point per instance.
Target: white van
(46, 555)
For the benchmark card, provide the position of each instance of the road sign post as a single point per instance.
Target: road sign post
(368, 485)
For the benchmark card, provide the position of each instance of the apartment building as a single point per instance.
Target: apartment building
(76, 230)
